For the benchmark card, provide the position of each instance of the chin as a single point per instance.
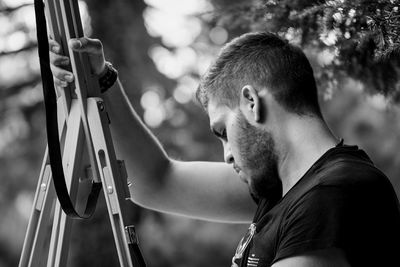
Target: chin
(243, 177)
(253, 190)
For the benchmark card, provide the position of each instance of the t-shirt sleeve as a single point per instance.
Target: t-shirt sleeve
(321, 219)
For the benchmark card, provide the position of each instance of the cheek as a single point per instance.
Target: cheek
(236, 148)
(242, 145)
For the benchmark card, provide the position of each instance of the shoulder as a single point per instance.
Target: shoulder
(347, 168)
(333, 208)
(351, 169)
(343, 179)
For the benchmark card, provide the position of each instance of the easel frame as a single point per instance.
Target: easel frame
(82, 119)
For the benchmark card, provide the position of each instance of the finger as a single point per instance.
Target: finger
(59, 60)
(62, 74)
(54, 46)
(60, 83)
(85, 44)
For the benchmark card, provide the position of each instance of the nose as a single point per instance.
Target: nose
(228, 157)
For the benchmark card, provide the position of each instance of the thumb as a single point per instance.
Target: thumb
(85, 44)
(75, 43)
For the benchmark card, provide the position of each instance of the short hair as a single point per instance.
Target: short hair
(266, 60)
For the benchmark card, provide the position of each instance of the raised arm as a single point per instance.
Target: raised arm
(203, 190)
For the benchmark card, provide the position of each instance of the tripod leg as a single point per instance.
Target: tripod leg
(43, 205)
(115, 187)
(34, 244)
(72, 159)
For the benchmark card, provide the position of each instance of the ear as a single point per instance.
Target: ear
(251, 103)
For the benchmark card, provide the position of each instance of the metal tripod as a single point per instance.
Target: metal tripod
(82, 119)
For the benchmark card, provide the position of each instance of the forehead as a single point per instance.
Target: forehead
(217, 112)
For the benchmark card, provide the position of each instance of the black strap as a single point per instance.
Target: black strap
(50, 101)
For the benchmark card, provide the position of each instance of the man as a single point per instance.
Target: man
(317, 202)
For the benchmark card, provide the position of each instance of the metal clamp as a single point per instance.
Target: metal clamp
(131, 235)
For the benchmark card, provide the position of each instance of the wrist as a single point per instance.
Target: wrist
(103, 70)
(107, 77)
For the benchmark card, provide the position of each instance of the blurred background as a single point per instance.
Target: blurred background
(160, 48)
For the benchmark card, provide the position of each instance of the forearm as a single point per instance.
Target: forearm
(145, 159)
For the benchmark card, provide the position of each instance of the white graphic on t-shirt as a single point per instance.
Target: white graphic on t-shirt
(252, 261)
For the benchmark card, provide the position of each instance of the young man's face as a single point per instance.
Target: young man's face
(248, 148)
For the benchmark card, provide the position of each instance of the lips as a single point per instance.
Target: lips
(240, 173)
(236, 168)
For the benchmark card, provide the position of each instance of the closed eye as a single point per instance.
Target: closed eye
(223, 134)
(220, 134)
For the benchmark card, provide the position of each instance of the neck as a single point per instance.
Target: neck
(301, 142)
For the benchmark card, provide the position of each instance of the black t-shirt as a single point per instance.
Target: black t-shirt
(344, 202)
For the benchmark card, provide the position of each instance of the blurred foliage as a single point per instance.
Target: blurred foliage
(362, 36)
(352, 45)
